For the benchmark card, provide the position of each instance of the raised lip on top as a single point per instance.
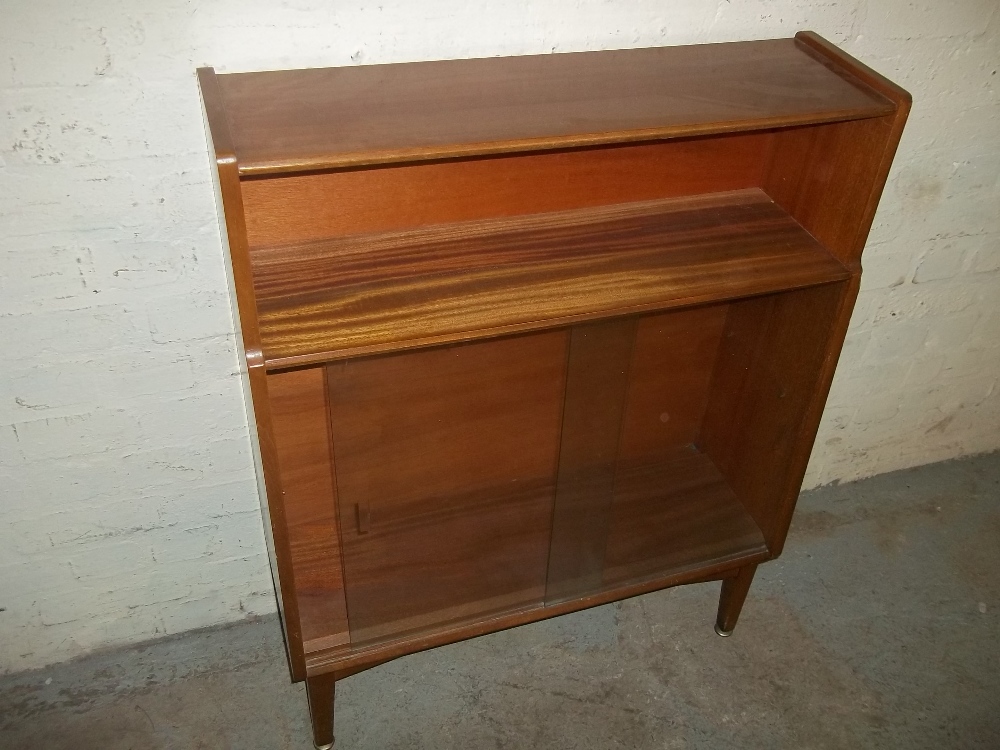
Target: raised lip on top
(668, 109)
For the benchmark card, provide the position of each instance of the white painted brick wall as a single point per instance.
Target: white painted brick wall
(126, 489)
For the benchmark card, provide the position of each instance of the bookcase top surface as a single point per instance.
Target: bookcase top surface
(327, 118)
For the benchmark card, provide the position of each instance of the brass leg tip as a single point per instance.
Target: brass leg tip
(323, 747)
(723, 633)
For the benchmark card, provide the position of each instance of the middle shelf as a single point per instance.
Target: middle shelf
(371, 293)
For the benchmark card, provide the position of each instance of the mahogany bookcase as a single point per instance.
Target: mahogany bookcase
(527, 335)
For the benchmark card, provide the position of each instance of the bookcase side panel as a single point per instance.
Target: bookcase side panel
(229, 202)
(300, 420)
(827, 178)
(773, 373)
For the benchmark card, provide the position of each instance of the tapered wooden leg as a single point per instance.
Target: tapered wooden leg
(320, 691)
(734, 593)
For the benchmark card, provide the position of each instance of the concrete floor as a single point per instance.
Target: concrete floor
(879, 627)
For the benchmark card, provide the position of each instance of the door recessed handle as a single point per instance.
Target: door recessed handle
(364, 517)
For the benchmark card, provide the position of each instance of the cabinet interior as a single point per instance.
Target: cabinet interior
(439, 478)
(442, 485)
(432, 477)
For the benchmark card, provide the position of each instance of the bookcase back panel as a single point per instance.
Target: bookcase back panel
(597, 386)
(635, 394)
(315, 206)
(668, 385)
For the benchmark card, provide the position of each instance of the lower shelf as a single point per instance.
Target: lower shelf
(671, 521)
(675, 515)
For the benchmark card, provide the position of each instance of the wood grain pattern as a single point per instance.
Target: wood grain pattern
(636, 392)
(340, 117)
(848, 66)
(315, 206)
(831, 179)
(675, 514)
(370, 293)
(355, 658)
(436, 233)
(672, 364)
(321, 692)
(768, 372)
(302, 439)
(739, 356)
(454, 452)
(229, 203)
(734, 593)
(597, 384)
(814, 174)
(831, 182)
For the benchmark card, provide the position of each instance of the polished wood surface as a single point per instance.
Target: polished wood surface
(229, 201)
(734, 594)
(301, 208)
(675, 514)
(768, 371)
(524, 336)
(635, 394)
(364, 656)
(843, 172)
(450, 454)
(672, 364)
(368, 293)
(302, 439)
(597, 382)
(320, 692)
(376, 114)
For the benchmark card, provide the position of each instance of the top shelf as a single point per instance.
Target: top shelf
(328, 118)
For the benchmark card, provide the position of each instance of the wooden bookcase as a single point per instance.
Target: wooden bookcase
(526, 335)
